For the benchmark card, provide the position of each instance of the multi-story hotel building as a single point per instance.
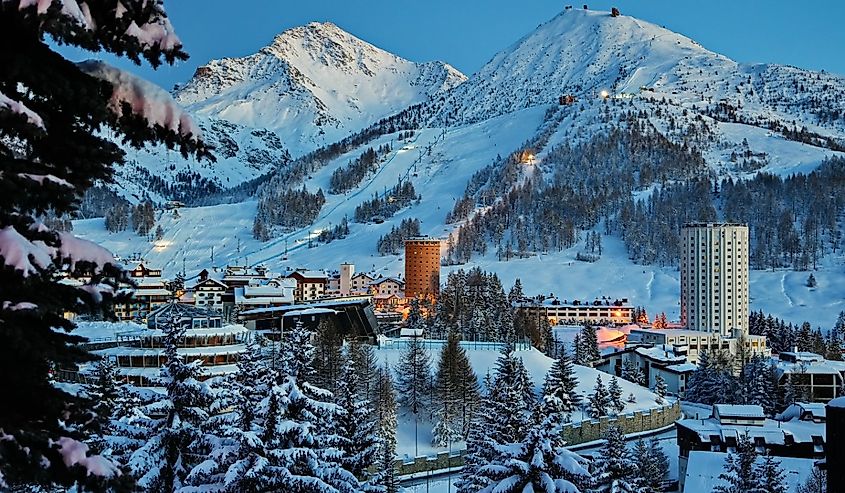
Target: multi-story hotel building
(714, 278)
(422, 267)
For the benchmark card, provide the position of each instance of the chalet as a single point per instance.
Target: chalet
(386, 302)
(235, 275)
(310, 284)
(142, 270)
(149, 294)
(210, 293)
(276, 292)
(387, 286)
(669, 362)
(361, 282)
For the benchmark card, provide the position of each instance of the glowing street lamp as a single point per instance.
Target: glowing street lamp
(604, 94)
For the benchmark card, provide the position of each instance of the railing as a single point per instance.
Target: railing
(468, 345)
(574, 434)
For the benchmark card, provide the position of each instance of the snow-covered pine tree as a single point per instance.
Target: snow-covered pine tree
(481, 442)
(559, 397)
(578, 350)
(302, 449)
(413, 380)
(538, 463)
(770, 477)
(104, 391)
(354, 426)
(632, 373)
(739, 475)
(548, 337)
(653, 465)
(328, 355)
(590, 345)
(385, 411)
(455, 393)
(55, 117)
(503, 417)
(599, 400)
(516, 293)
(614, 391)
(660, 389)
(240, 459)
(364, 358)
(163, 463)
(615, 470)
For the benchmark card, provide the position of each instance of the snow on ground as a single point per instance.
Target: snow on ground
(483, 359)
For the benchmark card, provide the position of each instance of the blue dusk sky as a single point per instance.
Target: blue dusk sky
(467, 33)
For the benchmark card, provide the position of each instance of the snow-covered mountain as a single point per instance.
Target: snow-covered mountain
(313, 85)
(742, 119)
(586, 54)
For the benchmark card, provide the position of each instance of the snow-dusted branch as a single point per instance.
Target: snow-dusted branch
(144, 98)
(17, 107)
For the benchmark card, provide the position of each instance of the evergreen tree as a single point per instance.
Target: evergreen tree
(615, 394)
(590, 346)
(364, 358)
(385, 410)
(537, 463)
(660, 389)
(56, 122)
(599, 400)
(162, 464)
(516, 293)
(811, 281)
(559, 397)
(652, 465)
(632, 373)
(547, 336)
(615, 470)
(357, 431)
(770, 476)
(816, 483)
(455, 393)
(329, 358)
(739, 475)
(413, 381)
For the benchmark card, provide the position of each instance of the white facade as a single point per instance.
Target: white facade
(714, 278)
(346, 273)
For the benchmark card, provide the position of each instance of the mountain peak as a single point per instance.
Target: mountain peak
(580, 52)
(314, 84)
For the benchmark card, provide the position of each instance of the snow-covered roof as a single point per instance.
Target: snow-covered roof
(704, 468)
(386, 279)
(187, 351)
(408, 332)
(309, 274)
(664, 353)
(816, 410)
(310, 311)
(838, 403)
(823, 367)
(681, 368)
(261, 295)
(287, 308)
(773, 432)
(739, 411)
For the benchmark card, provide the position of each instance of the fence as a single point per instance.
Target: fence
(574, 434)
(468, 345)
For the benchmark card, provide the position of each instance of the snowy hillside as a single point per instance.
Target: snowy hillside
(701, 101)
(313, 85)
